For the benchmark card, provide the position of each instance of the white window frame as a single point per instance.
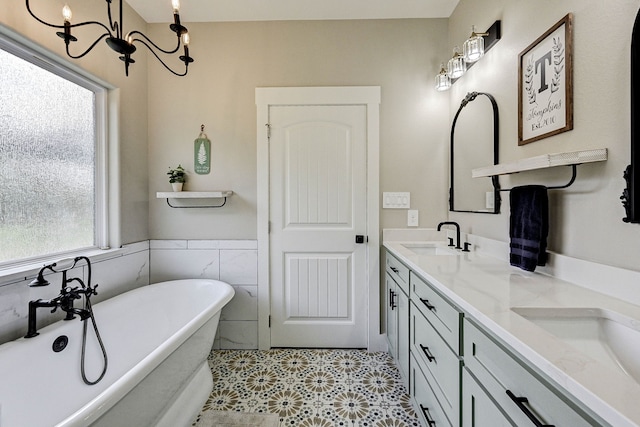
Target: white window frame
(106, 230)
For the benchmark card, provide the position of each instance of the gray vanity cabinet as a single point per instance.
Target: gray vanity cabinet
(465, 379)
(436, 359)
(397, 313)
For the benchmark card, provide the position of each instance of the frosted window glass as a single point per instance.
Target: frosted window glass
(47, 152)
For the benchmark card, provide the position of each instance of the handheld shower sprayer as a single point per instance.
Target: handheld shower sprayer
(61, 266)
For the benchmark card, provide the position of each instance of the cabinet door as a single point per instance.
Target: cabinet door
(439, 363)
(426, 404)
(403, 336)
(398, 271)
(443, 316)
(478, 409)
(521, 395)
(392, 316)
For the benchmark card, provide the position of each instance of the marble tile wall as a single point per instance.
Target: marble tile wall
(232, 261)
(115, 272)
(138, 264)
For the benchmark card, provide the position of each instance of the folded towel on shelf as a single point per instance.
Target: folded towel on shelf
(529, 226)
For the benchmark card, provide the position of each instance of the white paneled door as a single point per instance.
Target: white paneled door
(318, 207)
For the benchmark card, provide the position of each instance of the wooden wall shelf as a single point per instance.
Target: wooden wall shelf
(542, 162)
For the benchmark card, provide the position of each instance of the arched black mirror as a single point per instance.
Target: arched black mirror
(474, 144)
(631, 195)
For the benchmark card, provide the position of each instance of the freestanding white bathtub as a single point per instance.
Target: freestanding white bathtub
(157, 340)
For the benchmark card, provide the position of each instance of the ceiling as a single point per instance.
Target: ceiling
(157, 11)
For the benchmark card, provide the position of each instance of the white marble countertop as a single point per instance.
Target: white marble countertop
(486, 288)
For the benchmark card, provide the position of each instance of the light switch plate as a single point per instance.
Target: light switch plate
(412, 218)
(397, 200)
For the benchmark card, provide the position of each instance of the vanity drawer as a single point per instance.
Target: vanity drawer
(440, 365)
(425, 402)
(398, 271)
(509, 383)
(444, 317)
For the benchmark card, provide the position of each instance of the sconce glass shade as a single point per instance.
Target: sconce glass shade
(473, 47)
(456, 66)
(443, 82)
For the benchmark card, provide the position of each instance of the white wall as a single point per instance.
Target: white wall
(232, 59)
(586, 219)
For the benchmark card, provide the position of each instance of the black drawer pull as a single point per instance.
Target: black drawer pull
(395, 270)
(427, 415)
(427, 353)
(428, 304)
(520, 402)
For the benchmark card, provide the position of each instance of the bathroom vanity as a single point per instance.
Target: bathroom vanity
(481, 343)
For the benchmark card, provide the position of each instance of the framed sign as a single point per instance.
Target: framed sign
(545, 84)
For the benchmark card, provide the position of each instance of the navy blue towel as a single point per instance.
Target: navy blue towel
(529, 226)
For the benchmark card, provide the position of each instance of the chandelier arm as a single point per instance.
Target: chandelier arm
(89, 48)
(63, 26)
(162, 62)
(81, 24)
(113, 24)
(40, 20)
(147, 39)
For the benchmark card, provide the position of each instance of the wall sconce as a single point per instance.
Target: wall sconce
(473, 49)
(456, 66)
(443, 82)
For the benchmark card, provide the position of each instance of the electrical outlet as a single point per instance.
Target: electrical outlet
(490, 200)
(412, 218)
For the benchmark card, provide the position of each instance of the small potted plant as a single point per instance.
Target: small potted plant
(177, 177)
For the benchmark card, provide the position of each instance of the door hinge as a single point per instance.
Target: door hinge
(268, 125)
(269, 320)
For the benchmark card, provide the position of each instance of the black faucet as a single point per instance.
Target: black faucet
(457, 231)
(66, 297)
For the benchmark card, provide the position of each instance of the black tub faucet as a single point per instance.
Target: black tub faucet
(455, 224)
(67, 294)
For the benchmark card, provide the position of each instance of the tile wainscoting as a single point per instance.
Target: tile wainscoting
(232, 261)
(138, 264)
(115, 272)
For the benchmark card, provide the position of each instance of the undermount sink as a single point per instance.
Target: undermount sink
(429, 248)
(606, 336)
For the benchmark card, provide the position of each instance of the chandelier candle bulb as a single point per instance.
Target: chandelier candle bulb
(66, 14)
(176, 6)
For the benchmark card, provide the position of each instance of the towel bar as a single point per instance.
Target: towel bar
(558, 187)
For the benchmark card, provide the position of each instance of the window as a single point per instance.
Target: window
(52, 169)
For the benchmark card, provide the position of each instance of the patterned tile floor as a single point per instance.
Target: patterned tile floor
(311, 388)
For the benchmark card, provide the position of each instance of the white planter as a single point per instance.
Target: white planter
(177, 186)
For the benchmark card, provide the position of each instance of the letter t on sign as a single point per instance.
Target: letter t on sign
(541, 63)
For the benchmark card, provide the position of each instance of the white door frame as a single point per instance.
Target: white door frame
(358, 95)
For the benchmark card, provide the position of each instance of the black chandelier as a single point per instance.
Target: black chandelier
(123, 44)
